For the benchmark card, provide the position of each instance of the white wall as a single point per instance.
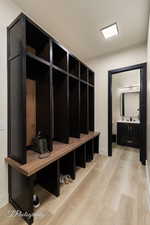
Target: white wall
(101, 66)
(8, 12)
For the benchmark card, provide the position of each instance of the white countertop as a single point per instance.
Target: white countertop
(125, 121)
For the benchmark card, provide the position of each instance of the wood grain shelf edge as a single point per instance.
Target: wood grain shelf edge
(35, 164)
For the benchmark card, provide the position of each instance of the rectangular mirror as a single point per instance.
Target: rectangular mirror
(130, 103)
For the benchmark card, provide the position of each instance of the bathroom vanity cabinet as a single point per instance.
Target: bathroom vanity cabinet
(128, 134)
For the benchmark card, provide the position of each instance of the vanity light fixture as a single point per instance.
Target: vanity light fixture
(110, 31)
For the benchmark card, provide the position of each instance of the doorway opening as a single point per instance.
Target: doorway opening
(127, 109)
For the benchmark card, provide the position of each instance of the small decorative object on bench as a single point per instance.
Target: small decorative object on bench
(40, 145)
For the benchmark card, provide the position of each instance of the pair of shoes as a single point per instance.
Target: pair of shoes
(36, 202)
(65, 179)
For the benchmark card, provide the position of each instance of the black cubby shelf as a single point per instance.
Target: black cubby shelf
(74, 77)
(49, 90)
(83, 72)
(91, 77)
(59, 56)
(59, 69)
(91, 85)
(37, 58)
(84, 82)
(73, 66)
(37, 41)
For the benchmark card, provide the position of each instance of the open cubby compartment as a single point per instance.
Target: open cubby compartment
(91, 108)
(48, 178)
(84, 128)
(81, 156)
(83, 72)
(74, 108)
(38, 100)
(37, 41)
(73, 66)
(91, 77)
(89, 150)
(96, 144)
(59, 56)
(68, 165)
(60, 106)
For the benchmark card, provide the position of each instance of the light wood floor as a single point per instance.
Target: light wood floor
(110, 191)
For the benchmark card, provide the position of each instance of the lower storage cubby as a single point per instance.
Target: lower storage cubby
(89, 151)
(96, 144)
(48, 178)
(81, 156)
(68, 165)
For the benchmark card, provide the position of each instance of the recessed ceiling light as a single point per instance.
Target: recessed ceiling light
(110, 31)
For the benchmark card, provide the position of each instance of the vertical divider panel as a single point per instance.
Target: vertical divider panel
(16, 91)
(51, 96)
(91, 108)
(21, 193)
(83, 108)
(88, 109)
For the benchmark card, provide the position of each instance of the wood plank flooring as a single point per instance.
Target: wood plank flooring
(110, 191)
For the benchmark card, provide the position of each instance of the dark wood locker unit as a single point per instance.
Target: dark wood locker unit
(74, 108)
(49, 90)
(128, 134)
(73, 66)
(60, 106)
(91, 107)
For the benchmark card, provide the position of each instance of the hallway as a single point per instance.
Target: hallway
(112, 192)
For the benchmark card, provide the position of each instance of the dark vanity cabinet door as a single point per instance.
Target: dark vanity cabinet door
(122, 133)
(128, 134)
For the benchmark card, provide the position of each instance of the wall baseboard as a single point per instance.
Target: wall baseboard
(148, 183)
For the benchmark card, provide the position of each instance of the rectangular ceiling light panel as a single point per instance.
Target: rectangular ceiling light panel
(110, 31)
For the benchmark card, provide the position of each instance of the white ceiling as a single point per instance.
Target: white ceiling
(76, 23)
